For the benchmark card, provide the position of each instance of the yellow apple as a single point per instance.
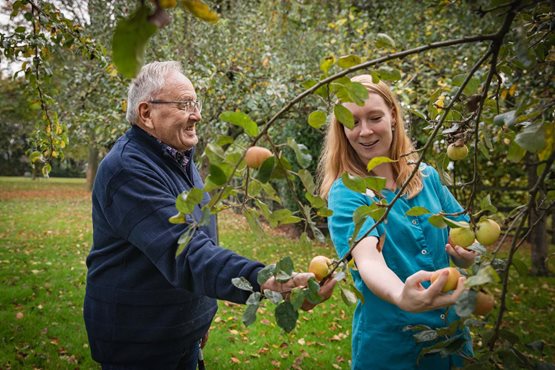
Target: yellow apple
(256, 155)
(487, 232)
(320, 267)
(484, 304)
(452, 279)
(457, 152)
(462, 236)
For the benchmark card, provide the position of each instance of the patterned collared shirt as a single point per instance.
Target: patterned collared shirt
(181, 157)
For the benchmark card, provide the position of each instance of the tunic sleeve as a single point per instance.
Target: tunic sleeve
(344, 202)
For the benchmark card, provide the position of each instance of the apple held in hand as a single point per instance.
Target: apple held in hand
(256, 155)
(320, 267)
(452, 279)
(462, 236)
(487, 232)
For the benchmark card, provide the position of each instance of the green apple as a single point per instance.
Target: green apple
(487, 232)
(456, 152)
(462, 236)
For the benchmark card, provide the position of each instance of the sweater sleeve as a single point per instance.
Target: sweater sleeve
(138, 206)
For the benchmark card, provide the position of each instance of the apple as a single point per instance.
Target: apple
(452, 279)
(320, 267)
(484, 304)
(456, 151)
(256, 155)
(487, 232)
(166, 4)
(462, 236)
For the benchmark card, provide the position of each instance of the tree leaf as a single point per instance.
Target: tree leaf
(344, 116)
(348, 296)
(266, 169)
(200, 10)
(437, 221)
(286, 316)
(285, 265)
(241, 119)
(242, 283)
(186, 201)
(312, 292)
(417, 211)
(302, 154)
(128, 43)
(376, 161)
(389, 73)
(355, 183)
(326, 63)
(516, 152)
(307, 180)
(297, 297)
(532, 137)
(217, 175)
(383, 40)
(266, 273)
(348, 61)
(274, 297)
(317, 119)
(466, 303)
(249, 315)
(485, 275)
(177, 219)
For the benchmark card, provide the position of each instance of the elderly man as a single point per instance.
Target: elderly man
(147, 306)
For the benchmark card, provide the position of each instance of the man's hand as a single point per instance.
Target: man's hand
(300, 280)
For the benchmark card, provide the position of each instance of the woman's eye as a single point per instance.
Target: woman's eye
(375, 118)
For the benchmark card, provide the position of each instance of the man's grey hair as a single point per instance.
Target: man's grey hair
(147, 84)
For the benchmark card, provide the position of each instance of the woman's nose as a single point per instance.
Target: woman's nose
(365, 129)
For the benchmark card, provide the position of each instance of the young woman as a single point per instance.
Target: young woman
(395, 280)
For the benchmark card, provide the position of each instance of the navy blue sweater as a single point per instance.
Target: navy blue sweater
(144, 305)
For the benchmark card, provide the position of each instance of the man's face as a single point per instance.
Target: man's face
(168, 122)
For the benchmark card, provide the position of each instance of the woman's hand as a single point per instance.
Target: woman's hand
(462, 257)
(415, 298)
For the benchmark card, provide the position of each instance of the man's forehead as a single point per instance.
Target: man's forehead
(177, 83)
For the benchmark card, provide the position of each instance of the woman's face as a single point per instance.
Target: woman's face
(372, 135)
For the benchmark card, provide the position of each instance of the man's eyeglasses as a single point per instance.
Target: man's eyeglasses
(188, 106)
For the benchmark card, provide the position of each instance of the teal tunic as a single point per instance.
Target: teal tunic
(412, 244)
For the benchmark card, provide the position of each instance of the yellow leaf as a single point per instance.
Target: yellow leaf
(200, 10)
(512, 90)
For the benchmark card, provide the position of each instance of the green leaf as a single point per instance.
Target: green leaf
(315, 201)
(242, 283)
(186, 201)
(266, 169)
(297, 297)
(383, 40)
(485, 275)
(425, 336)
(326, 63)
(200, 10)
(472, 85)
(252, 219)
(344, 116)
(355, 183)
(312, 292)
(417, 211)
(437, 221)
(217, 175)
(177, 219)
(516, 152)
(129, 41)
(520, 267)
(532, 137)
(389, 74)
(455, 224)
(285, 265)
(35, 156)
(307, 180)
(486, 205)
(376, 161)
(317, 119)
(240, 119)
(507, 118)
(348, 61)
(375, 183)
(302, 153)
(184, 240)
(266, 273)
(249, 316)
(274, 297)
(466, 303)
(286, 316)
(348, 296)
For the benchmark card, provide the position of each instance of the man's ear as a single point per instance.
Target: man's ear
(144, 116)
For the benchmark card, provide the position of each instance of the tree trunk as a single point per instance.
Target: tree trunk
(92, 166)
(538, 236)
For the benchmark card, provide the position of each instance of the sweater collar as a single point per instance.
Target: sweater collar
(159, 147)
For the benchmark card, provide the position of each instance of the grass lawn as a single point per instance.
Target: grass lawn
(45, 230)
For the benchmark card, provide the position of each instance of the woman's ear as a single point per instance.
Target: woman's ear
(145, 116)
